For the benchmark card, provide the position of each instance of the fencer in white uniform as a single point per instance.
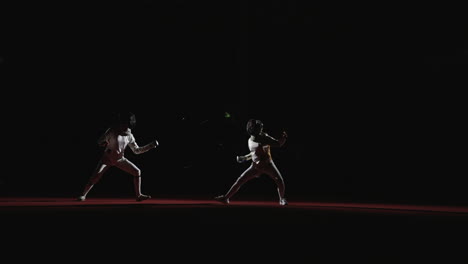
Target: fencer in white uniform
(115, 140)
(259, 144)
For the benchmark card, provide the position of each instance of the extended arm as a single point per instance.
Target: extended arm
(244, 158)
(273, 141)
(139, 150)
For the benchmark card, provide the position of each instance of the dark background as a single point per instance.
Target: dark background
(370, 96)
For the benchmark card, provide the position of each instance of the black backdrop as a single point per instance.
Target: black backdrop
(369, 96)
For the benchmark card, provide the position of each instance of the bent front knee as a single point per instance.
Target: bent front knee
(137, 173)
(278, 180)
